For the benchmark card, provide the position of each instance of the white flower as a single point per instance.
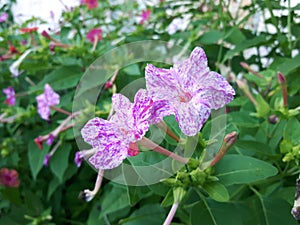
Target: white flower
(14, 68)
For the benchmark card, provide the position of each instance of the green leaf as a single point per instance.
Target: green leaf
(216, 191)
(239, 169)
(146, 215)
(53, 185)
(132, 70)
(262, 107)
(60, 160)
(213, 213)
(169, 199)
(62, 78)
(245, 45)
(136, 193)
(211, 37)
(292, 130)
(114, 199)
(36, 158)
(289, 65)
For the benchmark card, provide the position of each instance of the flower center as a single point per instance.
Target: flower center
(133, 149)
(185, 97)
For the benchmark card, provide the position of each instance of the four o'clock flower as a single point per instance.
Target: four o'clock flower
(190, 89)
(46, 100)
(10, 96)
(145, 15)
(94, 35)
(91, 4)
(9, 178)
(115, 140)
(3, 17)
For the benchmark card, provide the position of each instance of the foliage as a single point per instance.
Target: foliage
(254, 183)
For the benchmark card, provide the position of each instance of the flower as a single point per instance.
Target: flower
(145, 15)
(45, 100)
(47, 159)
(78, 158)
(94, 34)
(14, 68)
(3, 17)
(114, 140)
(9, 178)
(190, 90)
(10, 96)
(91, 4)
(178, 24)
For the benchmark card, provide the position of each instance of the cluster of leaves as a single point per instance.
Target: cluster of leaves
(253, 184)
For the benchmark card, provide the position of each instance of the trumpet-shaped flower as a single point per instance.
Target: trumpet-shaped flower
(45, 100)
(190, 89)
(9, 178)
(114, 140)
(10, 96)
(91, 4)
(94, 34)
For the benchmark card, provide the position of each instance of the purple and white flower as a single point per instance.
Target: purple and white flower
(45, 100)
(115, 140)
(10, 96)
(190, 90)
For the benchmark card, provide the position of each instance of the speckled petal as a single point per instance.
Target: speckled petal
(160, 109)
(122, 107)
(99, 132)
(191, 117)
(215, 90)
(161, 84)
(109, 157)
(43, 107)
(51, 96)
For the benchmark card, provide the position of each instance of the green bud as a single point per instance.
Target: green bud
(170, 181)
(198, 176)
(178, 193)
(193, 164)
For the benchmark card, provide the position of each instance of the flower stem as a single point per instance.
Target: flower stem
(171, 214)
(61, 110)
(155, 147)
(95, 43)
(163, 126)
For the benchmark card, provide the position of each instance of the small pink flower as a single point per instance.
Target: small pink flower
(3, 17)
(91, 4)
(93, 34)
(10, 96)
(79, 157)
(145, 15)
(9, 178)
(45, 100)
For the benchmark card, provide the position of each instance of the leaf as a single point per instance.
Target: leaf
(256, 41)
(36, 157)
(211, 37)
(137, 193)
(147, 215)
(239, 169)
(262, 107)
(216, 191)
(243, 118)
(59, 161)
(114, 199)
(53, 185)
(292, 130)
(289, 65)
(169, 199)
(132, 70)
(213, 213)
(61, 78)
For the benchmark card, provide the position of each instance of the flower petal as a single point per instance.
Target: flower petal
(162, 84)
(191, 117)
(109, 157)
(99, 133)
(216, 90)
(52, 97)
(43, 107)
(160, 109)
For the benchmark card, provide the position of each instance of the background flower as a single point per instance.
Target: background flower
(9, 178)
(10, 96)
